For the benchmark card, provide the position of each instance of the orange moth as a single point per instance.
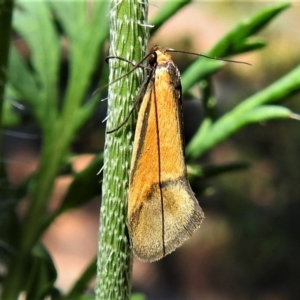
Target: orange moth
(162, 209)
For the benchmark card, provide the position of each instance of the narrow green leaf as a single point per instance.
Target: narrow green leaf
(253, 44)
(234, 42)
(72, 18)
(278, 91)
(265, 113)
(85, 48)
(34, 23)
(42, 274)
(231, 123)
(246, 113)
(27, 88)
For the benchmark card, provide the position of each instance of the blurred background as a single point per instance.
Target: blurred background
(249, 243)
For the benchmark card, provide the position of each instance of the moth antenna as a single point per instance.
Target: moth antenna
(137, 101)
(210, 57)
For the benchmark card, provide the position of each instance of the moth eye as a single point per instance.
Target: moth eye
(152, 59)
